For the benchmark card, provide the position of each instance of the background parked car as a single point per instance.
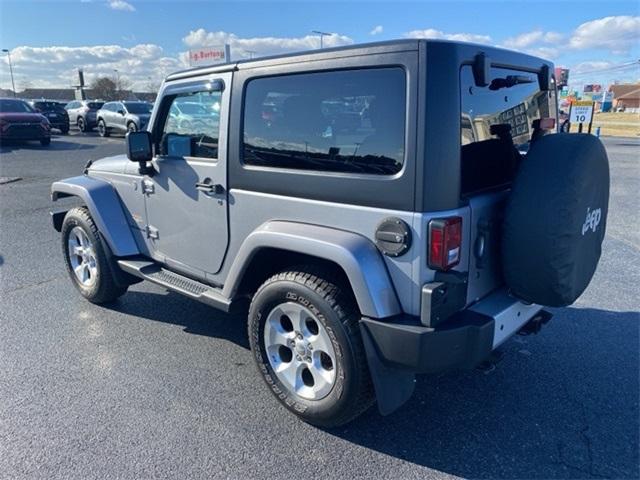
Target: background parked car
(55, 113)
(123, 117)
(20, 121)
(83, 113)
(184, 116)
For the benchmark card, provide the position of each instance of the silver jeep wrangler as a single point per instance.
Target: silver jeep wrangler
(379, 210)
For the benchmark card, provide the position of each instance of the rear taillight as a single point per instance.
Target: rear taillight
(445, 242)
(545, 123)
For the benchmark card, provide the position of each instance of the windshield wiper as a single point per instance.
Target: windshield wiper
(509, 81)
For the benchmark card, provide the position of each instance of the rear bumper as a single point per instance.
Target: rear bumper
(462, 342)
(91, 119)
(60, 124)
(407, 345)
(399, 347)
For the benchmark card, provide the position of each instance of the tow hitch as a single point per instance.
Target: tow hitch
(534, 325)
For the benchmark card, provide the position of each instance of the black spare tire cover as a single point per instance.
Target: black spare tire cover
(555, 219)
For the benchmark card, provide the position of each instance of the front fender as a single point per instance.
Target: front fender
(355, 254)
(105, 208)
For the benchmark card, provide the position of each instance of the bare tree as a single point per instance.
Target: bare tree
(122, 84)
(152, 86)
(104, 88)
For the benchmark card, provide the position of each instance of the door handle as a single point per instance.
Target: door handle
(207, 186)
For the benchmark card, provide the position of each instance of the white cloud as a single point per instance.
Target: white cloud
(261, 45)
(121, 5)
(437, 34)
(535, 37)
(548, 53)
(591, 66)
(57, 66)
(616, 34)
(378, 29)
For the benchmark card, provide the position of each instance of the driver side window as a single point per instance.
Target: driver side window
(191, 127)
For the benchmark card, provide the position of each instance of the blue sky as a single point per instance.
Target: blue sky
(144, 40)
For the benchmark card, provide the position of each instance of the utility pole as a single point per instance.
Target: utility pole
(321, 35)
(13, 85)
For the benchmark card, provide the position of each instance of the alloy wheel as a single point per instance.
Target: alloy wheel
(82, 257)
(300, 351)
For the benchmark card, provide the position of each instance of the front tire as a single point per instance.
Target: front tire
(86, 259)
(305, 338)
(132, 127)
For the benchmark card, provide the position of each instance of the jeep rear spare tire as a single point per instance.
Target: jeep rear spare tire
(555, 219)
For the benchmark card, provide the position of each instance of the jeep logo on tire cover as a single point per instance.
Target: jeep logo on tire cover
(592, 221)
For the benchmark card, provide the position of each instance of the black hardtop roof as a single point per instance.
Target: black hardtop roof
(388, 46)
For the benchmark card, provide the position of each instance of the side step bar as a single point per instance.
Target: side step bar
(178, 283)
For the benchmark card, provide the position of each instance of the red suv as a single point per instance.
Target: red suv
(19, 121)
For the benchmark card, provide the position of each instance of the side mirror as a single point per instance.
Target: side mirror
(139, 146)
(121, 112)
(139, 150)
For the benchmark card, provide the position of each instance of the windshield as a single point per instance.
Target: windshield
(192, 109)
(15, 106)
(140, 108)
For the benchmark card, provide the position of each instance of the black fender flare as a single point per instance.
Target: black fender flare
(105, 208)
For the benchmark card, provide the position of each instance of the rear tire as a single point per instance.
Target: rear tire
(103, 131)
(82, 125)
(86, 259)
(305, 338)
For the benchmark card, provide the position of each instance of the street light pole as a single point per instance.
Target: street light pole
(117, 81)
(322, 35)
(13, 85)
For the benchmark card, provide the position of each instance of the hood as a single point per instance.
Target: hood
(115, 164)
(21, 117)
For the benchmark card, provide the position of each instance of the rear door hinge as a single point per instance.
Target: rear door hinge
(152, 232)
(148, 187)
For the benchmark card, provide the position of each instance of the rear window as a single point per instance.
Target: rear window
(47, 105)
(95, 105)
(508, 105)
(340, 121)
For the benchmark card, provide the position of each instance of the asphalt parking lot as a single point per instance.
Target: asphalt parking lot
(158, 386)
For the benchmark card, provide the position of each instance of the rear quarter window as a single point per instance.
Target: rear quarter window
(339, 121)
